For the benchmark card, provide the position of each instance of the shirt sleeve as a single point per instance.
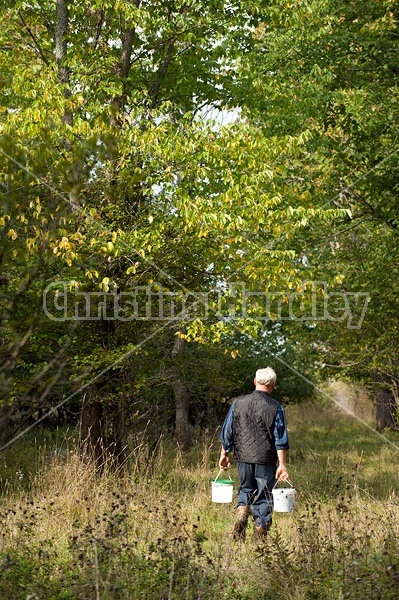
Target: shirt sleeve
(280, 430)
(226, 435)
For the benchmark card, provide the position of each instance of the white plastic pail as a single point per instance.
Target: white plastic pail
(283, 499)
(222, 490)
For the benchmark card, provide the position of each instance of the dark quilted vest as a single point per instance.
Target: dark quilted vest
(253, 428)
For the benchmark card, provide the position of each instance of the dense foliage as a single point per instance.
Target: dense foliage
(185, 147)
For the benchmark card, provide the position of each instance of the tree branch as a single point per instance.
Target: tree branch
(162, 73)
(61, 31)
(34, 39)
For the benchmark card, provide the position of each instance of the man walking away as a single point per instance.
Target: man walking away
(255, 430)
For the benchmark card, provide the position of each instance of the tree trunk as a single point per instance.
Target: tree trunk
(122, 71)
(183, 429)
(386, 407)
(91, 428)
(116, 429)
(102, 426)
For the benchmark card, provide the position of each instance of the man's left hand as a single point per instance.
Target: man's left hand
(282, 473)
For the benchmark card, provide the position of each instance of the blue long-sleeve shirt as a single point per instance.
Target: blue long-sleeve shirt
(280, 430)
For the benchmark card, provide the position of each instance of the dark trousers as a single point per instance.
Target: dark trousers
(256, 484)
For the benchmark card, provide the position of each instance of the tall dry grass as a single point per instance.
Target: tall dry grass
(150, 531)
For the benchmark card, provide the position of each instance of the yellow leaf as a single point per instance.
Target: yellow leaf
(64, 243)
(104, 284)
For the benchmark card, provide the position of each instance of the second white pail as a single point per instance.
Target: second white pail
(283, 498)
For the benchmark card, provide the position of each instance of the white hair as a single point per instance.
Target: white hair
(266, 376)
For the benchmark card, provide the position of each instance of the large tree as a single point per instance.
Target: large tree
(115, 178)
(331, 69)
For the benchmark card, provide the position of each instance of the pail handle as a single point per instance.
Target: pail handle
(286, 481)
(218, 475)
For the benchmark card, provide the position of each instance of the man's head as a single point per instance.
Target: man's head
(265, 378)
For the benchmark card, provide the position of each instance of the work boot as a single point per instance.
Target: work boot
(240, 526)
(260, 533)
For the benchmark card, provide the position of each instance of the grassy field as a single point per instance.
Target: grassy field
(152, 531)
